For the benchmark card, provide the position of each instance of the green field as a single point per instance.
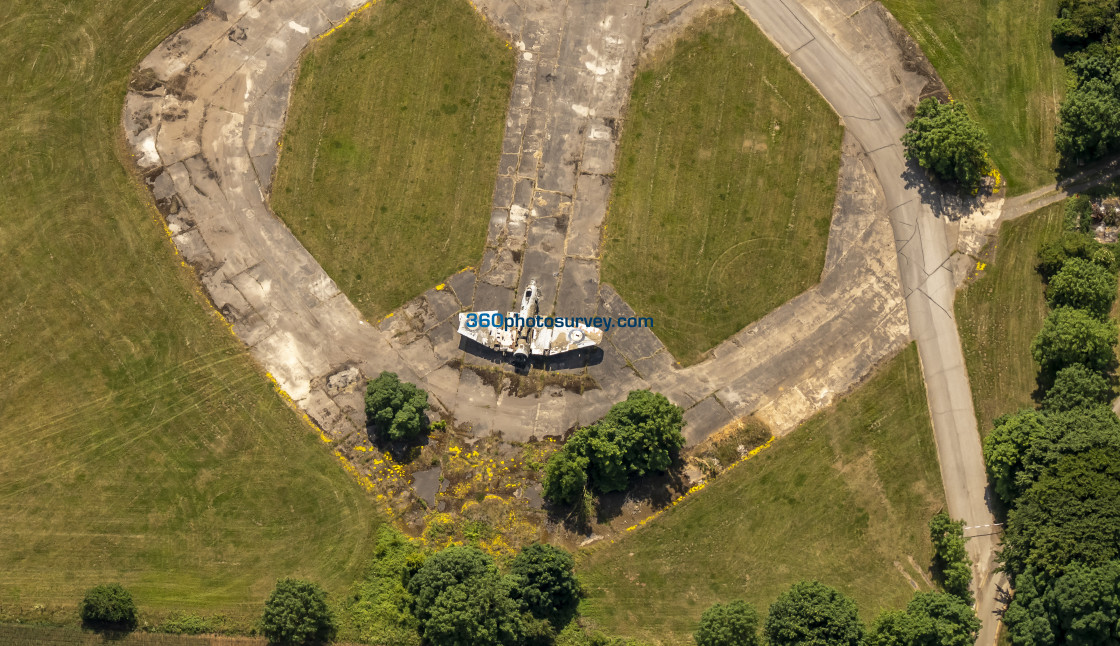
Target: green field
(995, 56)
(391, 149)
(726, 177)
(138, 442)
(1000, 314)
(841, 500)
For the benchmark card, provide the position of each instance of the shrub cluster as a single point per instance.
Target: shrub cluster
(640, 435)
(108, 607)
(813, 614)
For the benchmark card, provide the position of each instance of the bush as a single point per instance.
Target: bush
(1077, 387)
(731, 624)
(187, 624)
(950, 557)
(638, 436)
(546, 583)
(813, 614)
(565, 477)
(396, 407)
(1071, 336)
(108, 607)
(381, 607)
(1079, 214)
(1082, 284)
(945, 140)
(296, 614)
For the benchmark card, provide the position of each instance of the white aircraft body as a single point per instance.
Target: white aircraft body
(525, 333)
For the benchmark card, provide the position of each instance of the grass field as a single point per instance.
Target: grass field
(391, 149)
(1000, 314)
(995, 56)
(726, 178)
(841, 500)
(138, 443)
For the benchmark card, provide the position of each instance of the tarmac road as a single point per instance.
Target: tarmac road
(831, 62)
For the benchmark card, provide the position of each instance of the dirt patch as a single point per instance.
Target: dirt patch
(671, 25)
(913, 59)
(533, 384)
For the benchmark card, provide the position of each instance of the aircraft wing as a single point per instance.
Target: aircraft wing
(486, 328)
(565, 338)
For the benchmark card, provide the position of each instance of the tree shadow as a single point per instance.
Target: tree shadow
(109, 632)
(402, 451)
(947, 200)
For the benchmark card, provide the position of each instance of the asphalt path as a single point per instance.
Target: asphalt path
(831, 65)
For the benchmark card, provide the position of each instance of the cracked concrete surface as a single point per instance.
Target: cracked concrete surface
(204, 114)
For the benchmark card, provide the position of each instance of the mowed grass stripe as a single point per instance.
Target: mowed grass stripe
(842, 499)
(726, 179)
(1001, 313)
(138, 442)
(391, 149)
(996, 57)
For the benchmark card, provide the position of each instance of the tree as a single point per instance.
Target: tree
(460, 599)
(565, 477)
(730, 624)
(546, 583)
(1080, 607)
(108, 607)
(1071, 244)
(1005, 448)
(1090, 120)
(648, 430)
(1072, 336)
(1082, 20)
(1074, 387)
(950, 557)
(931, 619)
(813, 614)
(607, 469)
(296, 614)
(396, 407)
(947, 142)
(1082, 284)
(638, 436)
(1070, 515)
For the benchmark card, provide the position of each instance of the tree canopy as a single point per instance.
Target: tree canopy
(108, 606)
(813, 614)
(930, 619)
(1072, 336)
(1079, 607)
(461, 599)
(1070, 515)
(1076, 387)
(947, 142)
(396, 407)
(296, 614)
(728, 624)
(638, 436)
(1082, 284)
(545, 582)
